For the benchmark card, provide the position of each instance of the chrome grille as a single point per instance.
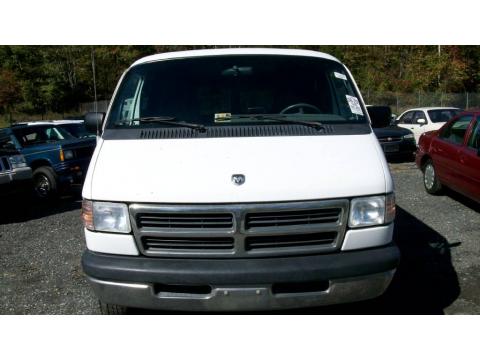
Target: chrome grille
(239, 230)
(389, 139)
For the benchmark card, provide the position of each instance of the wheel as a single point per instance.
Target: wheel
(430, 179)
(45, 183)
(111, 309)
(301, 108)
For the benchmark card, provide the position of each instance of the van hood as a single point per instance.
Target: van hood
(201, 170)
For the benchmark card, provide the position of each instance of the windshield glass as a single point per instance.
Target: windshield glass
(442, 115)
(38, 134)
(77, 130)
(231, 90)
(7, 146)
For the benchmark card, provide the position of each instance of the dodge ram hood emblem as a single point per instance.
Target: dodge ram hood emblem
(238, 179)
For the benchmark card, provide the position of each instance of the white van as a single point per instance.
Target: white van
(237, 179)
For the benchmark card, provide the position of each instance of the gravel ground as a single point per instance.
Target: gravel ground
(40, 249)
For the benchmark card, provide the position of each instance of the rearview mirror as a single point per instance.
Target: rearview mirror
(421, 121)
(94, 122)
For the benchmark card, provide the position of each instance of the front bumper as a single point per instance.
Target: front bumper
(16, 181)
(399, 148)
(241, 284)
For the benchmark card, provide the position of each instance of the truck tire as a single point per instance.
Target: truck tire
(111, 309)
(45, 183)
(430, 178)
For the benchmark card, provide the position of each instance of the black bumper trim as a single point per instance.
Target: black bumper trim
(241, 271)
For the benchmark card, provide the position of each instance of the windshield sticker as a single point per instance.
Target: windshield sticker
(354, 105)
(223, 117)
(340, 76)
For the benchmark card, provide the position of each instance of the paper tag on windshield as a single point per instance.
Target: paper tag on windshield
(223, 117)
(354, 105)
(340, 76)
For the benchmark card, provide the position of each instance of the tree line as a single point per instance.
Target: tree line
(42, 79)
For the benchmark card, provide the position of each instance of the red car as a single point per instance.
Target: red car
(450, 156)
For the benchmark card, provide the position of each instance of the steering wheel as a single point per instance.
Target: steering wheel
(301, 107)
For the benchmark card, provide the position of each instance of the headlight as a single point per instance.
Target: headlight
(373, 210)
(17, 161)
(105, 216)
(66, 155)
(408, 137)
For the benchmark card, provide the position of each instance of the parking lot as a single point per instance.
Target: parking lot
(41, 246)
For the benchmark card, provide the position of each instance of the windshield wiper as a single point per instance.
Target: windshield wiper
(169, 120)
(283, 118)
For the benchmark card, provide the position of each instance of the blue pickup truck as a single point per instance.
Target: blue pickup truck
(57, 158)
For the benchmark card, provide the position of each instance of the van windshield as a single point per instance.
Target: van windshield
(236, 90)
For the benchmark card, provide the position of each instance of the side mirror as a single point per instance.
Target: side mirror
(421, 122)
(94, 122)
(380, 116)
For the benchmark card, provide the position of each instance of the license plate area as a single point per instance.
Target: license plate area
(391, 148)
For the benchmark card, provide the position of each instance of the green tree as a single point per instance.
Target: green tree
(9, 92)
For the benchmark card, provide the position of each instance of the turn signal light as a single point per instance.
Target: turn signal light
(87, 214)
(389, 208)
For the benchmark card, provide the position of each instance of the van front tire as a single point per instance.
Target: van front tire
(112, 309)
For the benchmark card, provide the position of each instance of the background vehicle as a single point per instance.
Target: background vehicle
(15, 175)
(75, 127)
(237, 179)
(421, 120)
(451, 156)
(57, 159)
(396, 142)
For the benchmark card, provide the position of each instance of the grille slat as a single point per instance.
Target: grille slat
(187, 221)
(159, 243)
(286, 218)
(391, 139)
(193, 224)
(187, 217)
(280, 222)
(281, 241)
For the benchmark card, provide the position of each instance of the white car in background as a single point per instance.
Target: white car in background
(425, 119)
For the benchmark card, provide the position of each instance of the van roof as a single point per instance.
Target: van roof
(233, 51)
